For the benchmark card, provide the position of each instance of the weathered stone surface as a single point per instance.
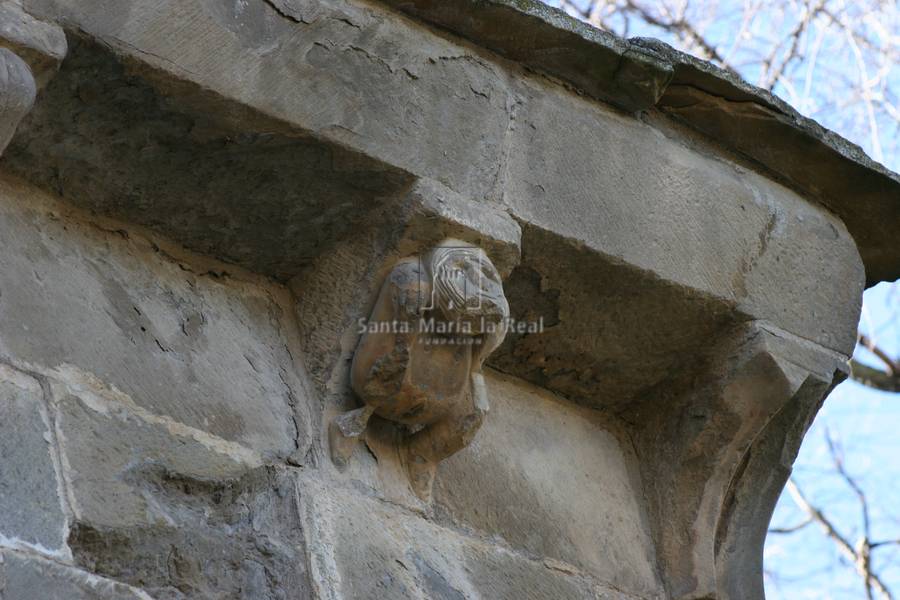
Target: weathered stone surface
(25, 575)
(473, 153)
(195, 174)
(716, 451)
(355, 267)
(376, 550)
(171, 510)
(638, 195)
(597, 62)
(643, 196)
(239, 538)
(696, 308)
(31, 502)
(40, 44)
(671, 245)
(17, 91)
(201, 348)
(821, 164)
(109, 447)
(419, 362)
(434, 212)
(553, 480)
(370, 81)
(639, 73)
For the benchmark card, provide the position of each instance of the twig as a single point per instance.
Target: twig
(791, 529)
(859, 556)
(893, 367)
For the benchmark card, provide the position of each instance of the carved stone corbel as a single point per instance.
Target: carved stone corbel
(716, 457)
(420, 356)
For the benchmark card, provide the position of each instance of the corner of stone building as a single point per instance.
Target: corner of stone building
(189, 245)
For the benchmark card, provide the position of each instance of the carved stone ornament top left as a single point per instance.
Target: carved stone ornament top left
(419, 361)
(17, 93)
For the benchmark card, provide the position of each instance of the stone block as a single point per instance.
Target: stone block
(433, 212)
(645, 249)
(638, 194)
(17, 91)
(240, 539)
(391, 90)
(716, 451)
(553, 480)
(30, 576)
(108, 448)
(31, 496)
(173, 510)
(363, 548)
(200, 347)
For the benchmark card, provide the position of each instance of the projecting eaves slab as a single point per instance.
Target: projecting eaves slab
(640, 74)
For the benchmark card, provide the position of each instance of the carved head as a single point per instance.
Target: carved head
(466, 285)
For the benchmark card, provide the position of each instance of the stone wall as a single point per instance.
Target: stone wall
(199, 201)
(160, 436)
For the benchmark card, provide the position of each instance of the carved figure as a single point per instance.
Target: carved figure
(419, 360)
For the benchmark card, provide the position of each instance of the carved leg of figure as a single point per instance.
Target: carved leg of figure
(344, 432)
(428, 447)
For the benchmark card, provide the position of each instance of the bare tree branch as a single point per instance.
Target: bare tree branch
(772, 76)
(887, 380)
(791, 529)
(893, 367)
(859, 555)
(873, 378)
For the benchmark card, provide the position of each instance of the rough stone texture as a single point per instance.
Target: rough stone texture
(17, 91)
(637, 195)
(109, 449)
(436, 212)
(24, 575)
(672, 245)
(548, 40)
(718, 232)
(76, 296)
(538, 465)
(445, 313)
(192, 176)
(355, 267)
(162, 495)
(238, 538)
(375, 550)
(31, 506)
(698, 299)
(757, 396)
(640, 73)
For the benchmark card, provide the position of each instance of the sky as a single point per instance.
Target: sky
(824, 84)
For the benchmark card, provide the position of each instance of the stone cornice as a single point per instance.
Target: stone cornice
(639, 74)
